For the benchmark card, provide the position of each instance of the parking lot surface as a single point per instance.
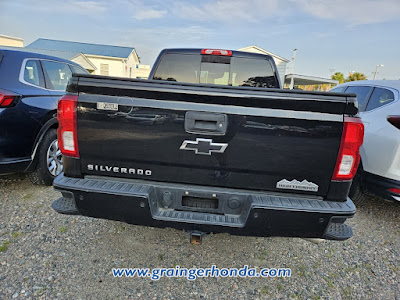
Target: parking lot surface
(45, 255)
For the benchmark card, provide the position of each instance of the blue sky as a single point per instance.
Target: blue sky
(344, 35)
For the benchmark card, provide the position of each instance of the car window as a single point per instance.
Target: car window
(78, 70)
(339, 89)
(252, 72)
(178, 67)
(362, 93)
(33, 73)
(214, 69)
(380, 97)
(57, 75)
(214, 73)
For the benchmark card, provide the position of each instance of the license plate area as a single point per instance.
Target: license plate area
(200, 203)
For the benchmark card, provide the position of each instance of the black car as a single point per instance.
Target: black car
(30, 87)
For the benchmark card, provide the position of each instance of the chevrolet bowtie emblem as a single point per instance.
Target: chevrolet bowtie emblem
(203, 146)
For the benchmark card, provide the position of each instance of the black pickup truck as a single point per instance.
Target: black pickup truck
(211, 143)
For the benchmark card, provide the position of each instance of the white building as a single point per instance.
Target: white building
(10, 41)
(98, 59)
(280, 61)
(298, 80)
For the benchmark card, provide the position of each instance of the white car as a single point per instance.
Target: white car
(379, 170)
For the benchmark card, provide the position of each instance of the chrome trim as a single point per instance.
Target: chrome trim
(54, 159)
(396, 198)
(230, 109)
(35, 149)
(158, 85)
(14, 161)
(22, 71)
(210, 151)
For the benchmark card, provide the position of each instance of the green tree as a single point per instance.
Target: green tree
(338, 76)
(356, 76)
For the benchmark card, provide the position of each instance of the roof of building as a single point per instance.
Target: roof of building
(308, 80)
(394, 84)
(57, 53)
(11, 37)
(32, 54)
(84, 62)
(254, 48)
(85, 48)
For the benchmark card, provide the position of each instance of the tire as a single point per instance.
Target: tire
(356, 194)
(49, 163)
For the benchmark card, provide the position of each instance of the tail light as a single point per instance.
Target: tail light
(349, 156)
(216, 52)
(394, 120)
(67, 130)
(395, 191)
(8, 99)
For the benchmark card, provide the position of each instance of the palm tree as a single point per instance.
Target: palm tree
(338, 76)
(356, 76)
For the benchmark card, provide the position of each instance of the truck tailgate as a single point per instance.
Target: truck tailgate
(269, 140)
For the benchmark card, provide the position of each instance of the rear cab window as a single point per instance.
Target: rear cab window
(252, 72)
(179, 67)
(216, 69)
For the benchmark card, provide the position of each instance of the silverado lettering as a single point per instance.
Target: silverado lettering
(118, 170)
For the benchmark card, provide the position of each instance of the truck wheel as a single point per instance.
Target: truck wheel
(357, 195)
(49, 163)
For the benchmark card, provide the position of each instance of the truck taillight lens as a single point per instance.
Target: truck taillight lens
(394, 120)
(395, 191)
(67, 129)
(216, 52)
(349, 156)
(8, 99)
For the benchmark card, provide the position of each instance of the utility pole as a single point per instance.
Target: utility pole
(376, 70)
(292, 78)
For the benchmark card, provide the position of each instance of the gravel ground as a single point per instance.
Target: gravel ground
(45, 255)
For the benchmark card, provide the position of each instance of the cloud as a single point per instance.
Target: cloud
(149, 13)
(227, 10)
(150, 41)
(164, 35)
(232, 12)
(84, 7)
(146, 10)
(354, 12)
(87, 8)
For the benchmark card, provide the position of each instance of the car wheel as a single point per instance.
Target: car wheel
(356, 194)
(50, 163)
